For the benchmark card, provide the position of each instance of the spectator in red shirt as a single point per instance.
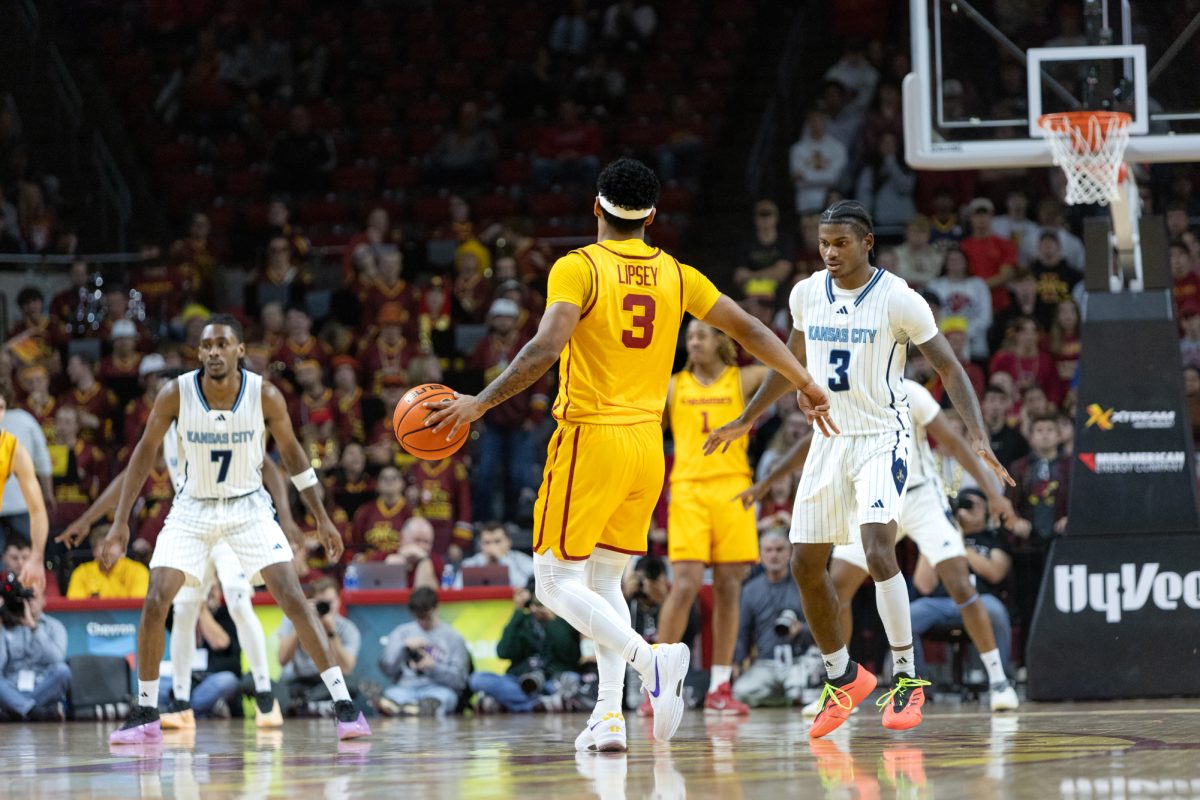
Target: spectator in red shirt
(504, 452)
(97, 405)
(375, 532)
(1183, 274)
(119, 370)
(35, 382)
(388, 287)
(36, 338)
(443, 496)
(280, 278)
(425, 567)
(313, 413)
(348, 401)
(137, 411)
(300, 344)
(63, 305)
(78, 469)
(377, 234)
(1027, 362)
(351, 486)
(569, 150)
(991, 257)
(382, 447)
(435, 323)
(388, 352)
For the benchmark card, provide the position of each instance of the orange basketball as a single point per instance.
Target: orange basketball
(408, 423)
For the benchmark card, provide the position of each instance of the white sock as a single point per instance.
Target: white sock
(560, 586)
(719, 676)
(250, 637)
(837, 663)
(891, 598)
(183, 647)
(336, 684)
(148, 693)
(603, 571)
(994, 666)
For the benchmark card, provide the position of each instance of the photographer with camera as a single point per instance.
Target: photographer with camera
(34, 678)
(544, 651)
(301, 688)
(428, 661)
(990, 563)
(772, 630)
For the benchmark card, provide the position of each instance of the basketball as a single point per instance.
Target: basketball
(408, 423)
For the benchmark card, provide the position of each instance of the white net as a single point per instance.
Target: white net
(1090, 148)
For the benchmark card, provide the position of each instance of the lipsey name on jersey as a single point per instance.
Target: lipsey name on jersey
(210, 437)
(637, 274)
(826, 333)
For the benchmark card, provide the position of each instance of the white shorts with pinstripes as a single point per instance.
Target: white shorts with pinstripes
(193, 529)
(849, 481)
(223, 566)
(925, 518)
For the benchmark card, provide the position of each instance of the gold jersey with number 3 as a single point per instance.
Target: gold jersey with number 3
(616, 367)
(697, 410)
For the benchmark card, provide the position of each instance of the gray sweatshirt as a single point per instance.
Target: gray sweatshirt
(762, 602)
(36, 650)
(446, 645)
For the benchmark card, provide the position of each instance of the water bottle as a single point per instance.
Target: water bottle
(350, 581)
(448, 576)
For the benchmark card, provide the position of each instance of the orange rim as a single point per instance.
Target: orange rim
(1064, 122)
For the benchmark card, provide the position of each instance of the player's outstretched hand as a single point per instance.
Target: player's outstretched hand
(33, 574)
(815, 405)
(984, 451)
(113, 546)
(462, 410)
(722, 436)
(74, 534)
(331, 540)
(752, 495)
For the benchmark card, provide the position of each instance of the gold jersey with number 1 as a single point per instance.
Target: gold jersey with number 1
(604, 466)
(696, 410)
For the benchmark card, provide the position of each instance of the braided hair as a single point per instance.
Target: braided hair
(854, 214)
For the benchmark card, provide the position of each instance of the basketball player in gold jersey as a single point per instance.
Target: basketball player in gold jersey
(613, 313)
(15, 460)
(702, 528)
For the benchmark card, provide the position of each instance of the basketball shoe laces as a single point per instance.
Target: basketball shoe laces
(898, 691)
(831, 692)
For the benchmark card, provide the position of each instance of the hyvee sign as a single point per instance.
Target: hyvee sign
(1111, 600)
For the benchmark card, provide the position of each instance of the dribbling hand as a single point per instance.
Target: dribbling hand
(752, 495)
(331, 540)
(462, 410)
(815, 404)
(113, 546)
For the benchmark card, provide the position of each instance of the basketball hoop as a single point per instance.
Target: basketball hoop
(1090, 148)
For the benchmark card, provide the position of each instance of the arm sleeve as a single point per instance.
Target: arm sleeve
(796, 304)
(389, 660)
(699, 294)
(351, 638)
(911, 315)
(452, 672)
(921, 404)
(570, 281)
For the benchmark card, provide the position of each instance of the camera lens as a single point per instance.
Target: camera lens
(323, 607)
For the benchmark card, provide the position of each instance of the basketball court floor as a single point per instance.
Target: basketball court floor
(1121, 749)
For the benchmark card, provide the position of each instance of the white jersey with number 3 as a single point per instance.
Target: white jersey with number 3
(221, 449)
(855, 343)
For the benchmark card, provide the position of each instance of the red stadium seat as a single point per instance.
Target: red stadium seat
(422, 140)
(663, 233)
(431, 211)
(230, 151)
(328, 210)
(431, 111)
(374, 115)
(427, 51)
(416, 27)
(401, 176)
(674, 199)
(245, 183)
(725, 40)
(326, 116)
(713, 69)
(551, 204)
(513, 171)
(406, 83)
(356, 179)
(220, 215)
(495, 206)
(676, 40)
(383, 145)
(188, 191)
(453, 79)
(650, 102)
(373, 25)
(174, 157)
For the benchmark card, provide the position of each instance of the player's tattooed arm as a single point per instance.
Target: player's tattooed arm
(537, 356)
(941, 357)
(296, 462)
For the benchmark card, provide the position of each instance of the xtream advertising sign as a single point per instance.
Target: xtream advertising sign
(1133, 468)
(1111, 600)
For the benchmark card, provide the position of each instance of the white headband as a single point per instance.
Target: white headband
(623, 213)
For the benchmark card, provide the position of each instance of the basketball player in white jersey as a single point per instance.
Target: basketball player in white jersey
(926, 518)
(235, 586)
(222, 414)
(852, 325)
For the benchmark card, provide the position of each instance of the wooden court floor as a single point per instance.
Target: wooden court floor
(1128, 749)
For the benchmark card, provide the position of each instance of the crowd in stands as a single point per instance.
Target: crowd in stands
(462, 142)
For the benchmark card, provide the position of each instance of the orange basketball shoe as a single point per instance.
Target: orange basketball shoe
(839, 697)
(902, 705)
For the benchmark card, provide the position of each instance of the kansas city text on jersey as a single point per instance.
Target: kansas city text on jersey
(209, 437)
(824, 333)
